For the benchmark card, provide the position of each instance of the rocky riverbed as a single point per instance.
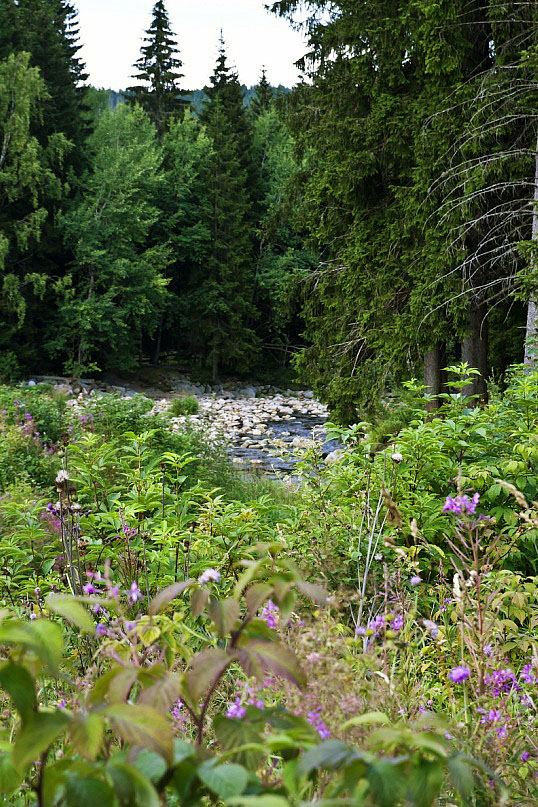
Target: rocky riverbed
(265, 428)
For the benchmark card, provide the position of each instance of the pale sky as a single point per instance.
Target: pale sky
(111, 33)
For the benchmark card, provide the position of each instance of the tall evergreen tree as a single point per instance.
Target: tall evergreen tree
(158, 68)
(221, 312)
(263, 95)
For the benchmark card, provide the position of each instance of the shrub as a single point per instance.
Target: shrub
(187, 405)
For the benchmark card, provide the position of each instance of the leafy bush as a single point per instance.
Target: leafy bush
(186, 405)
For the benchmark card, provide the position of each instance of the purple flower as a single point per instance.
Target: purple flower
(89, 588)
(488, 650)
(415, 580)
(360, 630)
(501, 681)
(315, 720)
(397, 623)
(525, 755)
(269, 613)
(134, 592)
(448, 736)
(129, 626)
(101, 630)
(236, 709)
(526, 675)
(461, 504)
(209, 574)
(459, 674)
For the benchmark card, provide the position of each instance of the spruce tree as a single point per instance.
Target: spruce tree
(263, 95)
(158, 68)
(219, 301)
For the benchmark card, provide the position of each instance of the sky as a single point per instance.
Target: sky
(111, 33)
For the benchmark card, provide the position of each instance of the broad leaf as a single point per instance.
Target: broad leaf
(263, 800)
(225, 781)
(312, 591)
(424, 782)
(256, 596)
(367, 719)
(142, 726)
(36, 735)
(461, 776)
(132, 787)
(165, 597)
(163, 693)
(277, 659)
(150, 765)
(71, 610)
(41, 637)
(329, 755)
(232, 733)
(204, 668)
(387, 783)
(224, 614)
(88, 792)
(86, 732)
(199, 598)
(19, 685)
(10, 777)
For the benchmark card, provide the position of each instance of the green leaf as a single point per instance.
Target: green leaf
(461, 776)
(36, 735)
(86, 733)
(204, 668)
(277, 659)
(88, 792)
(10, 777)
(142, 726)
(225, 781)
(224, 614)
(330, 754)
(165, 597)
(41, 637)
(19, 685)
(367, 719)
(73, 611)
(233, 733)
(424, 781)
(150, 765)
(132, 787)
(387, 783)
(163, 693)
(51, 637)
(263, 800)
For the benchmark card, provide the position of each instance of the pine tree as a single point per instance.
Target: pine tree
(263, 96)
(158, 67)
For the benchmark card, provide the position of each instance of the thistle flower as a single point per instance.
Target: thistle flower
(209, 574)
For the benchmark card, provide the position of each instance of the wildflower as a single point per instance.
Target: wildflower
(360, 630)
(101, 630)
(525, 755)
(236, 709)
(315, 720)
(396, 457)
(134, 592)
(89, 588)
(526, 675)
(448, 736)
(488, 650)
(209, 574)
(269, 612)
(313, 658)
(459, 674)
(501, 681)
(61, 477)
(397, 623)
(459, 505)
(415, 580)
(33, 616)
(129, 626)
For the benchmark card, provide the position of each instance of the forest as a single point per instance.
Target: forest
(269, 415)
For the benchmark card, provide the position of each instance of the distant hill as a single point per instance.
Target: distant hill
(196, 97)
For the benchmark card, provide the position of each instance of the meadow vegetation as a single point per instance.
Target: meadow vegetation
(172, 633)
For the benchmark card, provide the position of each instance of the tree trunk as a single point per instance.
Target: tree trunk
(474, 349)
(532, 310)
(157, 347)
(432, 376)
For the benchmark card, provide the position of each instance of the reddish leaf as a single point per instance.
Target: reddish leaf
(164, 597)
(204, 669)
(224, 614)
(313, 592)
(199, 598)
(256, 596)
(278, 659)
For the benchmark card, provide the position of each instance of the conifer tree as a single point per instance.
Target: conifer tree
(263, 95)
(220, 295)
(158, 68)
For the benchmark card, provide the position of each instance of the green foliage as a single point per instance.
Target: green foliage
(186, 405)
(118, 279)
